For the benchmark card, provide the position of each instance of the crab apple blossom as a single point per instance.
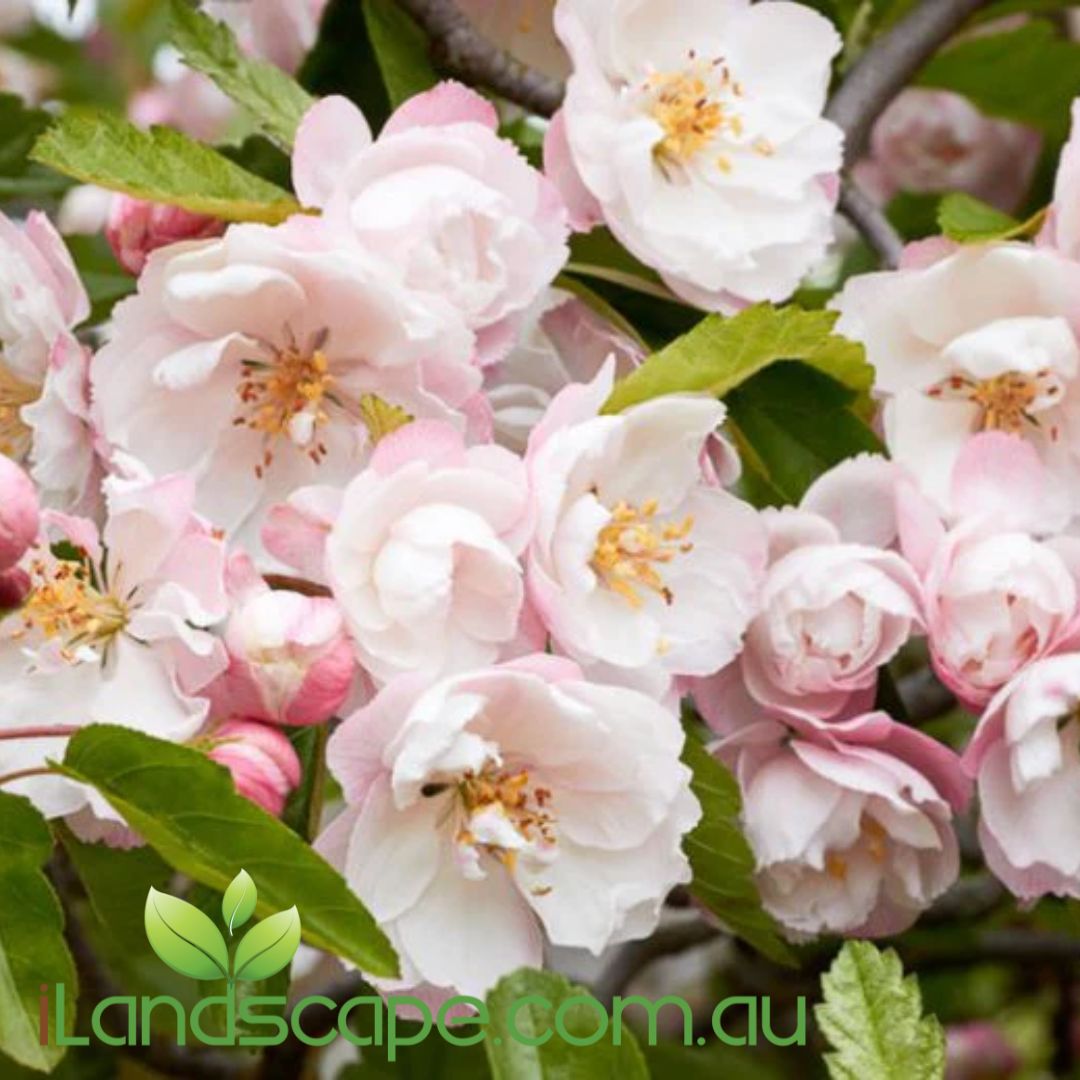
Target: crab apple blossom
(19, 513)
(456, 210)
(638, 562)
(937, 141)
(561, 341)
(262, 761)
(281, 31)
(270, 359)
(850, 823)
(1025, 757)
(831, 614)
(136, 228)
(114, 629)
(1061, 230)
(982, 339)
(43, 409)
(290, 659)
(422, 554)
(509, 803)
(698, 138)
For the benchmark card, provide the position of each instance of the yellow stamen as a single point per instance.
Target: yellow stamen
(683, 107)
(510, 795)
(1006, 401)
(14, 394)
(631, 546)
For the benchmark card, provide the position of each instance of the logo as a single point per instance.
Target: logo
(186, 939)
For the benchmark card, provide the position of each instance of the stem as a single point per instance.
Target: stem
(295, 584)
(888, 65)
(59, 731)
(22, 774)
(871, 222)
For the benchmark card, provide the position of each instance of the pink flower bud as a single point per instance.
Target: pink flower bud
(19, 519)
(263, 764)
(978, 1051)
(14, 588)
(290, 661)
(136, 228)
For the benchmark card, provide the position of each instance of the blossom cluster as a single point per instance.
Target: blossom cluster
(360, 464)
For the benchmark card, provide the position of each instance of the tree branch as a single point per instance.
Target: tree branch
(870, 220)
(888, 66)
(460, 50)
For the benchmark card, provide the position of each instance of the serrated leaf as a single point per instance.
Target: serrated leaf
(401, 50)
(988, 68)
(276, 101)
(32, 949)
(719, 354)
(184, 937)
(511, 1059)
(238, 903)
(968, 220)
(872, 1017)
(721, 859)
(188, 810)
(268, 947)
(160, 165)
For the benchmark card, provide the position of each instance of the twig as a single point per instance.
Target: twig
(871, 222)
(888, 65)
(970, 898)
(635, 956)
(295, 584)
(60, 731)
(1012, 945)
(460, 50)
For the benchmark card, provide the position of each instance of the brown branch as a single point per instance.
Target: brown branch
(461, 51)
(295, 584)
(870, 220)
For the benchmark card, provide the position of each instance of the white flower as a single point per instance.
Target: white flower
(638, 562)
(697, 133)
(116, 633)
(499, 805)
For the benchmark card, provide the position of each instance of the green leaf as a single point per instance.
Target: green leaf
(238, 903)
(510, 1059)
(20, 128)
(268, 947)
(32, 949)
(721, 353)
(160, 165)
(988, 68)
(720, 857)
(790, 424)
(968, 220)
(401, 50)
(275, 101)
(184, 937)
(303, 809)
(186, 807)
(106, 281)
(872, 1017)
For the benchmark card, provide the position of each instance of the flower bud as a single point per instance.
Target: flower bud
(136, 228)
(19, 520)
(264, 766)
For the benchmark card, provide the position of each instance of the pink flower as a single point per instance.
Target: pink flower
(456, 210)
(1025, 756)
(136, 228)
(183, 99)
(115, 632)
(423, 555)
(638, 562)
(937, 141)
(979, 1051)
(264, 766)
(561, 341)
(982, 339)
(270, 359)
(510, 802)
(43, 408)
(700, 139)
(19, 516)
(850, 823)
(281, 31)
(1062, 228)
(290, 660)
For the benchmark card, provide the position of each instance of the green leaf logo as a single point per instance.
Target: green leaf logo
(185, 938)
(268, 947)
(238, 903)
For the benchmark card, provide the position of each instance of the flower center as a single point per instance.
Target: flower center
(65, 604)
(381, 418)
(632, 545)
(872, 838)
(287, 396)
(507, 795)
(1008, 402)
(14, 394)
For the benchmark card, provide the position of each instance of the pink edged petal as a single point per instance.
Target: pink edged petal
(919, 527)
(552, 669)
(859, 498)
(295, 532)
(1062, 228)
(921, 254)
(438, 443)
(582, 206)
(1000, 478)
(82, 532)
(448, 103)
(332, 132)
(67, 285)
